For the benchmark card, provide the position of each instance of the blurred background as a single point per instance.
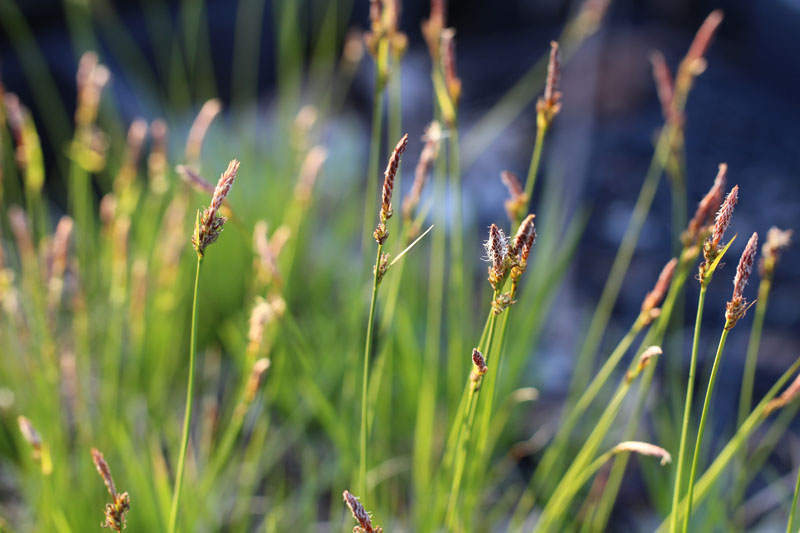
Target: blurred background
(743, 110)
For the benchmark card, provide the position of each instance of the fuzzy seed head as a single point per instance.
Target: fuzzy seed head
(452, 81)
(724, 216)
(200, 126)
(256, 379)
(496, 252)
(738, 305)
(360, 514)
(114, 512)
(209, 225)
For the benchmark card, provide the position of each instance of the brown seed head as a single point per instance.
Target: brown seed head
(777, 240)
(738, 305)
(360, 514)
(200, 126)
(451, 79)
(432, 138)
(707, 207)
(644, 360)
(209, 225)
(496, 252)
(389, 174)
(664, 84)
(786, 397)
(479, 366)
(517, 200)
(694, 61)
(653, 298)
(724, 216)
(550, 104)
(524, 239)
(644, 448)
(104, 471)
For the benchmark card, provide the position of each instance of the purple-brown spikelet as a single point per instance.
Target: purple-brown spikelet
(29, 433)
(644, 448)
(389, 174)
(777, 240)
(724, 216)
(209, 225)
(524, 239)
(200, 126)
(549, 105)
(665, 86)
(517, 199)
(653, 298)
(360, 514)
(496, 252)
(115, 512)
(786, 397)
(738, 305)
(430, 151)
(479, 366)
(451, 79)
(695, 57)
(433, 26)
(710, 203)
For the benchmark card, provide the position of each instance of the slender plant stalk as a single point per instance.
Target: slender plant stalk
(728, 453)
(533, 169)
(790, 522)
(748, 376)
(676, 493)
(187, 418)
(362, 463)
(703, 418)
(374, 153)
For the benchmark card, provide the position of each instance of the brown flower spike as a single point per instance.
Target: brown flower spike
(115, 512)
(496, 251)
(549, 105)
(654, 298)
(777, 240)
(706, 208)
(517, 198)
(389, 174)
(209, 224)
(479, 366)
(432, 137)
(360, 514)
(738, 305)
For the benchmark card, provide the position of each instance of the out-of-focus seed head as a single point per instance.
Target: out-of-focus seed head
(647, 356)
(549, 105)
(654, 298)
(786, 397)
(451, 79)
(694, 62)
(200, 126)
(517, 199)
(738, 305)
(430, 151)
(777, 241)
(665, 86)
(710, 203)
(644, 448)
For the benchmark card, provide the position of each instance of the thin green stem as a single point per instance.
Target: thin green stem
(362, 464)
(374, 156)
(748, 376)
(187, 418)
(703, 418)
(687, 408)
(533, 169)
(790, 522)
